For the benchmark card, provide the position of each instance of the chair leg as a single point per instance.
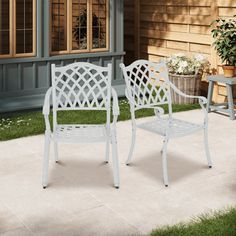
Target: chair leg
(115, 161)
(207, 147)
(56, 151)
(131, 151)
(107, 148)
(164, 162)
(46, 159)
(162, 147)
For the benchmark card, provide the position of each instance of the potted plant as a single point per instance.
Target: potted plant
(224, 33)
(185, 73)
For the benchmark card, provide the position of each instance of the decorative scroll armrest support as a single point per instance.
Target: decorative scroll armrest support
(127, 95)
(159, 111)
(131, 101)
(115, 108)
(202, 100)
(132, 110)
(46, 109)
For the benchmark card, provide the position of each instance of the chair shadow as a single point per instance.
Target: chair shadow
(179, 167)
(85, 173)
(233, 187)
(80, 173)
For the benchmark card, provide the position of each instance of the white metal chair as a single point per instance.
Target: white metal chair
(148, 86)
(81, 86)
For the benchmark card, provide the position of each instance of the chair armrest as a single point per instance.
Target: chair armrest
(126, 94)
(46, 105)
(115, 107)
(46, 109)
(202, 100)
(130, 99)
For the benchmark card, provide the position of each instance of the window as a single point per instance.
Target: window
(4, 27)
(59, 27)
(79, 26)
(17, 28)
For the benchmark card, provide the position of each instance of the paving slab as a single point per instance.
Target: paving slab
(81, 200)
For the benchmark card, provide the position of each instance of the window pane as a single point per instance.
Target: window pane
(24, 26)
(99, 24)
(79, 24)
(59, 29)
(4, 27)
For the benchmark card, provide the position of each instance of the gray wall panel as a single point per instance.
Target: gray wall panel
(1, 78)
(27, 76)
(106, 61)
(95, 61)
(81, 60)
(11, 78)
(67, 62)
(118, 77)
(42, 79)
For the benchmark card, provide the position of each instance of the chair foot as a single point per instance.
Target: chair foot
(210, 167)
(117, 187)
(57, 162)
(166, 185)
(106, 162)
(128, 164)
(44, 187)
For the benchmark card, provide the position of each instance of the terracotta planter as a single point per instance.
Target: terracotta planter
(229, 71)
(189, 84)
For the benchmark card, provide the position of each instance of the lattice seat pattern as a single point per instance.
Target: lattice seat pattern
(81, 133)
(174, 127)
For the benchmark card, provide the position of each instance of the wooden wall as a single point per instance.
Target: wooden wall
(129, 30)
(155, 29)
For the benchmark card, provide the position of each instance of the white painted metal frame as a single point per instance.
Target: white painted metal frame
(148, 86)
(81, 86)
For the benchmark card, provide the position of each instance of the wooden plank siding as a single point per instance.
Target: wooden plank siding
(172, 26)
(129, 34)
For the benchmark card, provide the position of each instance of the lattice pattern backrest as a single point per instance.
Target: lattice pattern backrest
(81, 86)
(147, 84)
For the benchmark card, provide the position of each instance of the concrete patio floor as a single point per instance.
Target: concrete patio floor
(81, 200)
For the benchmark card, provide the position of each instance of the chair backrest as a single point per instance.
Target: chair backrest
(147, 84)
(81, 86)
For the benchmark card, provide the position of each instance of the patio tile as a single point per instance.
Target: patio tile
(98, 221)
(81, 200)
(8, 221)
(53, 204)
(83, 173)
(39, 216)
(18, 232)
(12, 149)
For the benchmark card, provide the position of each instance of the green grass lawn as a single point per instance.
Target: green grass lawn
(221, 224)
(21, 124)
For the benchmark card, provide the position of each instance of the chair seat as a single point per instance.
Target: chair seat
(174, 127)
(80, 133)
